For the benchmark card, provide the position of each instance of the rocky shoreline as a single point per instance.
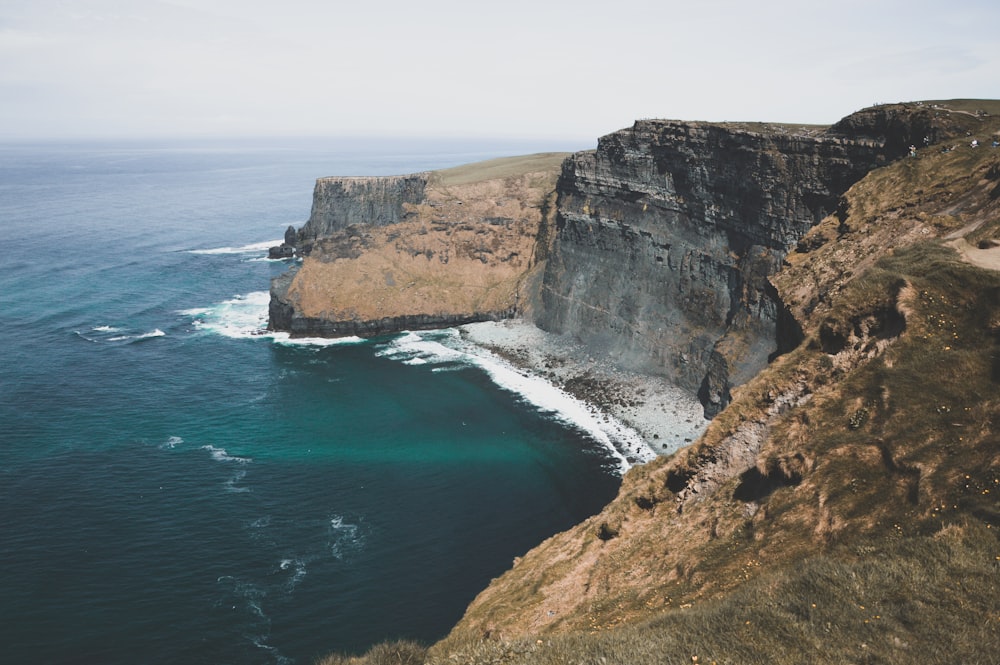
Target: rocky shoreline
(665, 416)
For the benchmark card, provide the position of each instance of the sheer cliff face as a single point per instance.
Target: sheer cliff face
(375, 201)
(665, 238)
(667, 234)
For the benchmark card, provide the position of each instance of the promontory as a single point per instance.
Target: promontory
(832, 296)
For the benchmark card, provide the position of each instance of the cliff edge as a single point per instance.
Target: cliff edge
(428, 250)
(844, 505)
(669, 230)
(653, 251)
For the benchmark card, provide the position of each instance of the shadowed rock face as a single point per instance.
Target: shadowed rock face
(668, 232)
(375, 201)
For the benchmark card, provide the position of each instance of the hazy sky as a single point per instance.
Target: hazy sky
(516, 68)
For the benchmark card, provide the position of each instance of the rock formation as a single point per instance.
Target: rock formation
(659, 258)
(668, 232)
(430, 250)
(342, 202)
(868, 450)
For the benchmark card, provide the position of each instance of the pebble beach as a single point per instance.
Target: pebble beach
(665, 416)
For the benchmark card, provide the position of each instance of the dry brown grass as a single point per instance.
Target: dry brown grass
(400, 652)
(467, 248)
(920, 600)
(495, 169)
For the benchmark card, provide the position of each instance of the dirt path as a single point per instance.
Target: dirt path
(984, 258)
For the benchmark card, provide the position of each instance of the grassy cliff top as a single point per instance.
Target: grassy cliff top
(502, 167)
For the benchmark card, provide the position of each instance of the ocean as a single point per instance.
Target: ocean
(177, 487)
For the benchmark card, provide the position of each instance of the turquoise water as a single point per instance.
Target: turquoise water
(177, 489)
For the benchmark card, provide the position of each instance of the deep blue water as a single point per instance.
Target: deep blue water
(175, 490)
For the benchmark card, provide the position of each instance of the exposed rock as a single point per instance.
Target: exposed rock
(878, 429)
(896, 127)
(339, 202)
(667, 234)
(430, 250)
(286, 249)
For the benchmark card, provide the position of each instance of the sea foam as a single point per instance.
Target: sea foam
(115, 334)
(172, 443)
(150, 335)
(296, 569)
(245, 317)
(252, 248)
(220, 455)
(445, 349)
(344, 537)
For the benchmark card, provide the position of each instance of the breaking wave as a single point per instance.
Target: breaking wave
(245, 317)
(445, 350)
(220, 455)
(253, 248)
(105, 334)
(232, 483)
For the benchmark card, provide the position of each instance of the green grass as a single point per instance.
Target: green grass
(503, 167)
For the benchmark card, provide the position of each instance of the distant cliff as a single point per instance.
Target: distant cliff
(654, 250)
(375, 201)
(429, 250)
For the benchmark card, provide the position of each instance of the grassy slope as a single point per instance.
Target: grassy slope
(503, 167)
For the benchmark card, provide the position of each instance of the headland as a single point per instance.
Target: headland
(830, 296)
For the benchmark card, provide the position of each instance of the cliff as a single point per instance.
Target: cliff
(668, 232)
(845, 505)
(658, 257)
(342, 202)
(423, 251)
(832, 511)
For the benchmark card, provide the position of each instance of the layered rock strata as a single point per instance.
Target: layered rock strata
(668, 232)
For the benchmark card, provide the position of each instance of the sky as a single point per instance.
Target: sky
(433, 68)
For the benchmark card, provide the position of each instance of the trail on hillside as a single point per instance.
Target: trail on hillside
(984, 258)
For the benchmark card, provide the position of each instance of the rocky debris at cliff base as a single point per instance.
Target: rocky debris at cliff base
(667, 417)
(282, 251)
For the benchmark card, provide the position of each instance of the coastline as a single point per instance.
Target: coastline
(636, 417)
(666, 417)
